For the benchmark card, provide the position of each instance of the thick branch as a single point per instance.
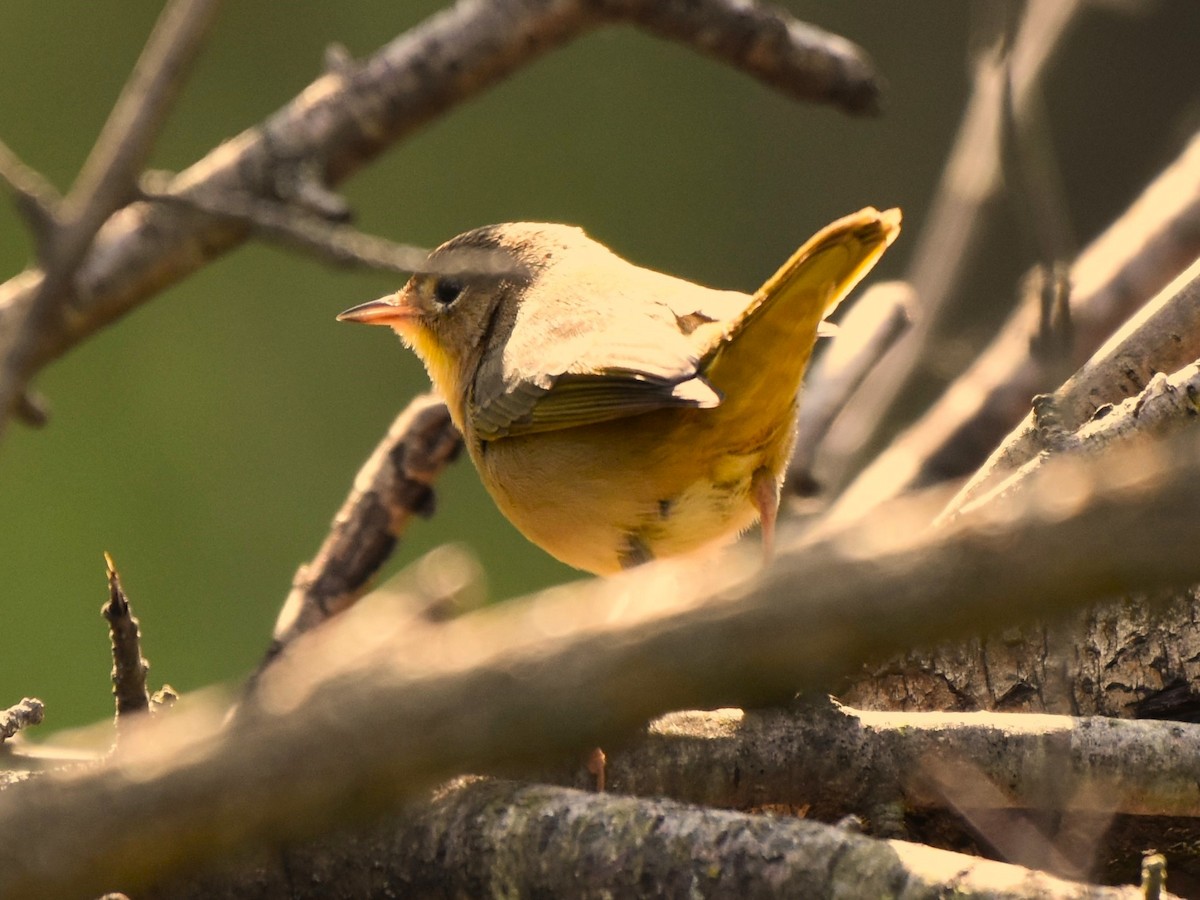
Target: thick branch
(833, 760)
(479, 837)
(515, 687)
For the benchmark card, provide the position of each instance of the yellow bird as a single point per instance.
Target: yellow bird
(614, 413)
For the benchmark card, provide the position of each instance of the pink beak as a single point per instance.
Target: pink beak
(389, 310)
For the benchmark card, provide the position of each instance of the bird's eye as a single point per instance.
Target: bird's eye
(447, 290)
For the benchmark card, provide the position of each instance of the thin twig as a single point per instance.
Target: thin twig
(292, 226)
(105, 184)
(129, 667)
(36, 199)
(109, 175)
(1154, 876)
(945, 247)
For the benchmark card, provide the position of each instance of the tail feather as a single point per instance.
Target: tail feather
(778, 328)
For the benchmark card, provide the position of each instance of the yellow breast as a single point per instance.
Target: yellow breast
(670, 481)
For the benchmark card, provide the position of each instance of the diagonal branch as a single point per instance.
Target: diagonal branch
(367, 711)
(392, 486)
(1003, 77)
(358, 110)
(105, 184)
(1162, 337)
(1154, 240)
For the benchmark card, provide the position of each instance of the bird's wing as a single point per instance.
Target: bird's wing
(574, 370)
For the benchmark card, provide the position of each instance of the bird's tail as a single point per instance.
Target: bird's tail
(774, 336)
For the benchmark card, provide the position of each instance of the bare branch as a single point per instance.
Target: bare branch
(109, 175)
(393, 485)
(745, 760)
(482, 837)
(1167, 405)
(970, 181)
(105, 184)
(1162, 337)
(291, 226)
(1139, 254)
(356, 111)
(36, 199)
(517, 686)
(129, 667)
(764, 41)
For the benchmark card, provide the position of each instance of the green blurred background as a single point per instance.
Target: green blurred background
(207, 439)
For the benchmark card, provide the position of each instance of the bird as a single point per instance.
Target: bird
(618, 414)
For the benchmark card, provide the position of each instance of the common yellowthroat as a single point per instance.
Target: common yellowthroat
(614, 413)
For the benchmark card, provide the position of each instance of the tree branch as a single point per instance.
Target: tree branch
(353, 113)
(479, 837)
(512, 688)
(1162, 337)
(1007, 74)
(105, 184)
(28, 712)
(766, 42)
(129, 667)
(833, 760)
(393, 485)
(1139, 254)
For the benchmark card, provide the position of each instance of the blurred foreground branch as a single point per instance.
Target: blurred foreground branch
(509, 689)
(1006, 77)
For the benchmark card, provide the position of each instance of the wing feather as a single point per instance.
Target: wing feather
(572, 364)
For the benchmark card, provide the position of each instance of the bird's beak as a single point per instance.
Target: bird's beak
(390, 310)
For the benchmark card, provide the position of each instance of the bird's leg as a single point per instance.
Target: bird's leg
(634, 553)
(597, 764)
(764, 494)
